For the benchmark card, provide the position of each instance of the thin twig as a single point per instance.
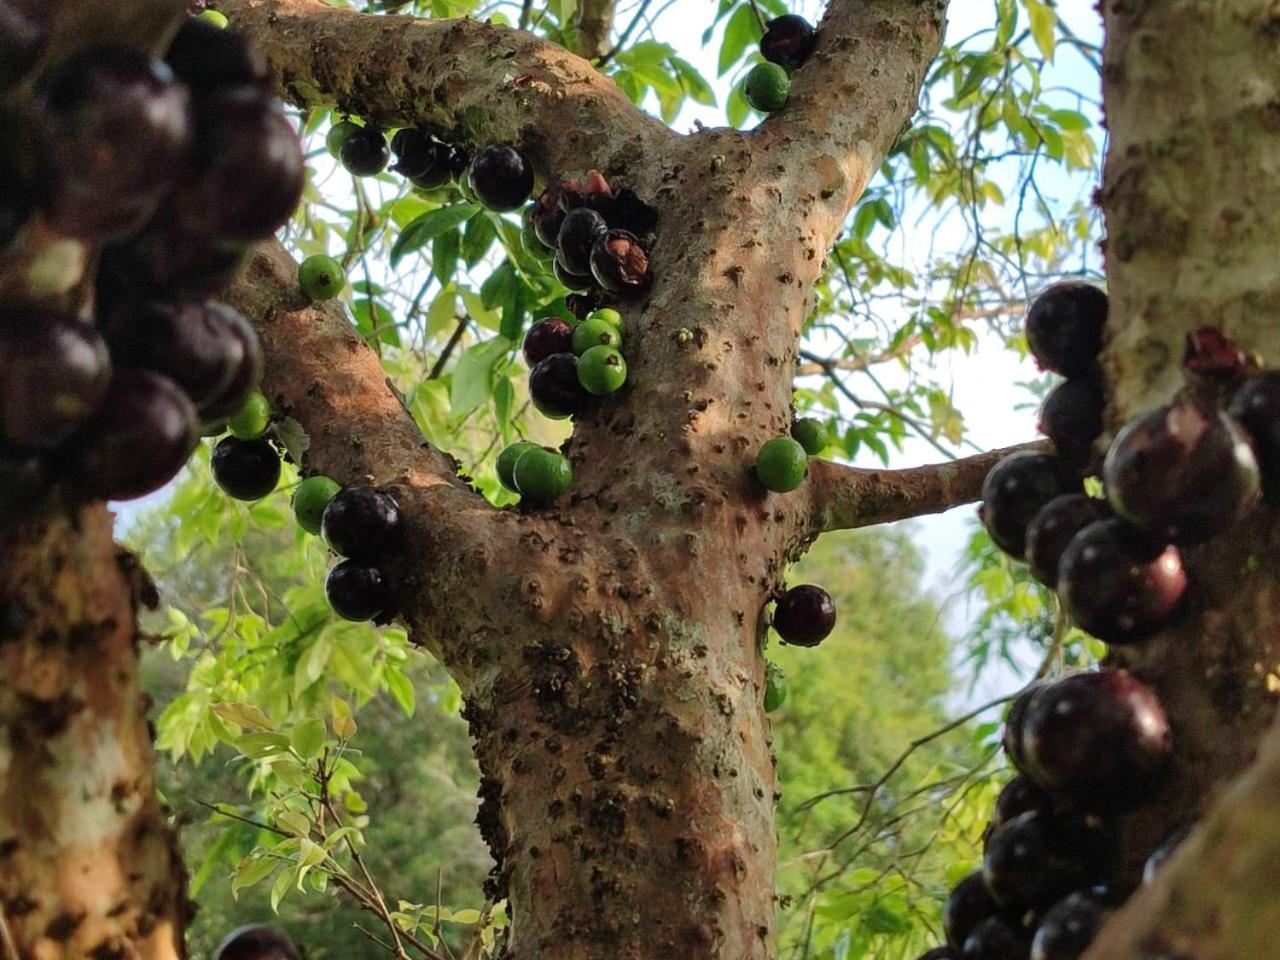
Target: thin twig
(625, 36)
(449, 347)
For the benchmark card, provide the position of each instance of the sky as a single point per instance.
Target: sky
(983, 384)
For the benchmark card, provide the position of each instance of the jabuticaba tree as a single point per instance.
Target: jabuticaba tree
(608, 644)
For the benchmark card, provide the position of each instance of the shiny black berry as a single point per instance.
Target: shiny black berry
(357, 591)
(574, 281)
(1023, 867)
(54, 372)
(257, 942)
(245, 469)
(1118, 585)
(208, 59)
(1011, 738)
(547, 336)
(1182, 472)
(1067, 930)
(365, 153)
(581, 228)
(117, 135)
(968, 905)
(548, 216)
(554, 387)
(1071, 416)
(420, 158)
(1054, 527)
(1256, 407)
(168, 260)
(1100, 740)
(805, 615)
(1064, 327)
(1020, 795)
(247, 376)
(1016, 489)
(501, 177)
(995, 939)
(788, 41)
(362, 523)
(143, 433)
(619, 263)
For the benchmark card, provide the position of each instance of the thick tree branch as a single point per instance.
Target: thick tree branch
(474, 82)
(845, 497)
(595, 22)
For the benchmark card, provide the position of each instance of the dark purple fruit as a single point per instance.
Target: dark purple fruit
(554, 387)
(1023, 869)
(547, 336)
(357, 591)
(581, 228)
(24, 478)
(141, 437)
(788, 41)
(939, 953)
(362, 523)
(196, 344)
(257, 942)
(619, 263)
(365, 152)
(1064, 327)
(421, 159)
(994, 939)
(1100, 740)
(248, 374)
(804, 615)
(1020, 795)
(592, 191)
(548, 216)
(1053, 529)
(1071, 416)
(167, 260)
(245, 469)
(54, 372)
(24, 26)
(1182, 472)
(208, 59)
(1067, 930)
(581, 304)
(1117, 585)
(969, 904)
(1016, 489)
(249, 169)
(1256, 407)
(1210, 353)
(1173, 839)
(574, 281)
(117, 135)
(501, 177)
(1011, 738)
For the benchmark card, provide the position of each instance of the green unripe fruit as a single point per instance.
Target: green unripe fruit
(602, 370)
(810, 434)
(321, 277)
(214, 17)
(541, 475)
(506, 463)
(337, 135)
(595, 332)
(251, 420)
(775, 687)
(310, 498)
(607, 314)
(781, 464)
(767, 87)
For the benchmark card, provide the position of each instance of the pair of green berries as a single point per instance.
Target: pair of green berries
(539, 475)
(310, 497)
(321, 277)
(597, 341)
(767, 87)
(783, 462)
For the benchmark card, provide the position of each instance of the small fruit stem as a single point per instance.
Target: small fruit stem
(755, 8)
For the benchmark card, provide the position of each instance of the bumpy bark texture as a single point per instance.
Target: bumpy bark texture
(609, 647)
(1192, 198)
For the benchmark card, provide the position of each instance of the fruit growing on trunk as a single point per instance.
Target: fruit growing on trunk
(1117, 585)
(1182, 472)
(1020, 795)
(1053, 529)
(245, 469)
(1011, 739)
(321, 277)
(1064, 327)
(781, 464)
(208, 60)
(309, 500)
(501, 177)
(788, 40)
(811, 434)
(505, 465)
(547, 216)
(1100, 740)
(247, 375)
(357, 591)
(364, 152)
(1071, 416)
(581, 228)
(257, 942)
(1016, 489)
(994, 939)
(619, 263)
(775, 687)
(54, 373)
(554, 387)
(362, 523)
(595, 331)
(422, 159)
(767, 87)
(251, 420)
(542, 475)
(1069, 928)
(968, 905)
(804, 616)
(547, 336)
(602, 370)
(1024, 868)
(574, 281)
(337, 135)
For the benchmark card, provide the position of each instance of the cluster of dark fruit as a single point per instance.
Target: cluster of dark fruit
(257, 942)
(600, 235)
(1173, 478)
(426, 161)
(172, 169)
(363, 525)
(1087, 747)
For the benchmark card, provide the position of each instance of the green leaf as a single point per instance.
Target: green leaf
(250, 872)
(244, 715)
(473, 376)
(279, 888)
(444, 255)
(308, 738)
(428, 226)
(1043, 24)
(293, 822)
(477, 239)
(740, 32)
(401, 688)
(258, 746)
